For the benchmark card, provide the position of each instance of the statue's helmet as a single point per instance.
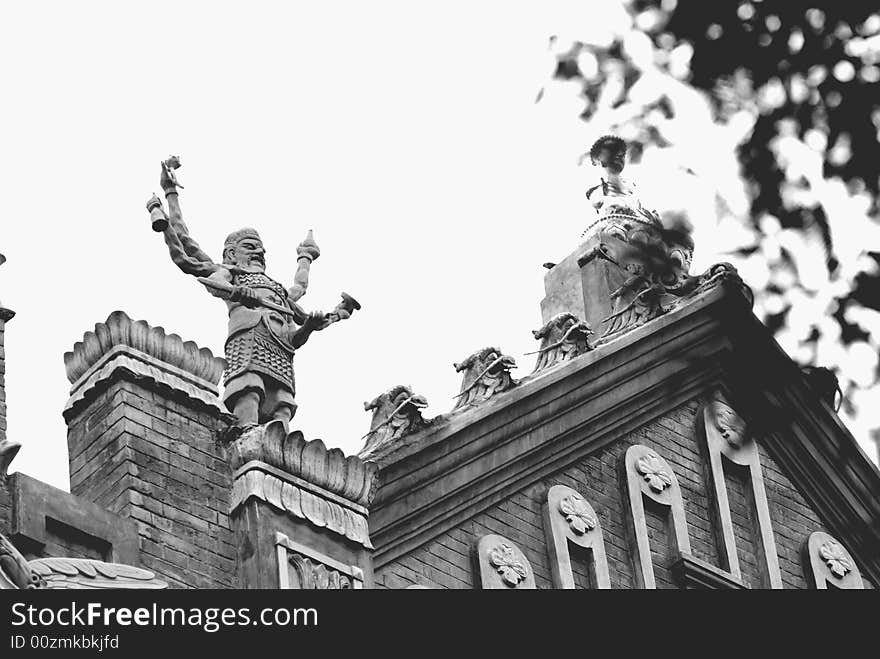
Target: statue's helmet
(609, 150)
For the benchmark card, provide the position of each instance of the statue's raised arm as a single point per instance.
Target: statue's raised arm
(184, 251)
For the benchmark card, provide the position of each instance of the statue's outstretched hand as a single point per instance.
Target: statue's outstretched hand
(315, 321)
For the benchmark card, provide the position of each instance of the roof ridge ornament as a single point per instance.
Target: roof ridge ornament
(486, 373)
(396, 413)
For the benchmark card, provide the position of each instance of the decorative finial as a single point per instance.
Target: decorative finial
(308, 248)
(158, 218)
(171, 165)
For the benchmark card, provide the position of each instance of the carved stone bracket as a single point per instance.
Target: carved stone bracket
(827, 561)
(694, 574)
(727, 439)
(302, 568)
(649, 475)
(569, 518)
(502, 565)
(304, 479)
(396, 413)
(563, 337)
(486, 373)
(146, 352)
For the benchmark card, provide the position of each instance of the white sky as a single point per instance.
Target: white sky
(405, 134)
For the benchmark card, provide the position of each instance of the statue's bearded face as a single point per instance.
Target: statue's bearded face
(249, 254)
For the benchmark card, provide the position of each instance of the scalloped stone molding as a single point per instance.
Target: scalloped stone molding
(349, 477)
(304, 479)
(146, 352)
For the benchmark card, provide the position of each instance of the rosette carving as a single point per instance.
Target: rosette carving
(652, 468)
(503, 557)
(576, 512)
(835, 558)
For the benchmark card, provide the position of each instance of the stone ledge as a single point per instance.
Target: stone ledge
(694, 574)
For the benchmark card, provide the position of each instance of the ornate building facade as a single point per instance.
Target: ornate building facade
(663, 440)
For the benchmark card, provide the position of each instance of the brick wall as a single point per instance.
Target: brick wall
(5, 504)
(447, 561)
(5, 496)
(4, 315)
(143, 453)
(69, 542)
(738, 497)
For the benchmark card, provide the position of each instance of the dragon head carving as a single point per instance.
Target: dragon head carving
(486, 373)
(396, 413)
(563, 337)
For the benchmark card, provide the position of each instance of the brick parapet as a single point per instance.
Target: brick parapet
(144, 428)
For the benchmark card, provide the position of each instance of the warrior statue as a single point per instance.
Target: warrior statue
(266, 325)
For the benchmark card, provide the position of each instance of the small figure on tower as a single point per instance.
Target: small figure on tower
(615, 196)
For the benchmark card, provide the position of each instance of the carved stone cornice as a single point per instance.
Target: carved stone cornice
(145, 352)
(304, 479)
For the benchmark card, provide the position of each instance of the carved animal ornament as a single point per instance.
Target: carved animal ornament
(486, 373)
(563, 337)
(396, 413)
